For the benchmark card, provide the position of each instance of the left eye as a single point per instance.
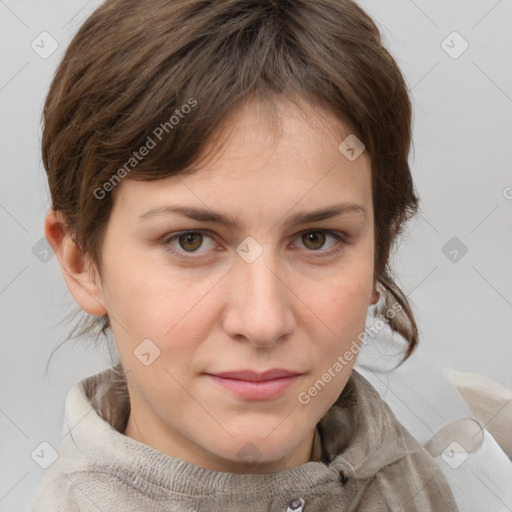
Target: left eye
(316, 239)
(190, 241)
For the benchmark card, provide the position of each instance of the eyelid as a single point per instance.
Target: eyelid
(340, 236)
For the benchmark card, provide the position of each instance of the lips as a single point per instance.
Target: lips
(251, 385)
(275, 373)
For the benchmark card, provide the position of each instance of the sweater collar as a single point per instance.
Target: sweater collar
(356, 438)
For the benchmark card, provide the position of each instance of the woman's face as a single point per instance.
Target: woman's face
(270, 291)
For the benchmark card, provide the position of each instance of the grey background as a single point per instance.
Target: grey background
(460, 162)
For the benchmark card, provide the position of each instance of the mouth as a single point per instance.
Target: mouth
(253, 385)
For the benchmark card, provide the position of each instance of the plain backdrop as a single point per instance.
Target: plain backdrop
(455, 264)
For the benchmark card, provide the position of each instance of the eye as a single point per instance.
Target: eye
(314, 240)
(187, 242)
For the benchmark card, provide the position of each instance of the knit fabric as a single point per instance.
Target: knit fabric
(363, 459)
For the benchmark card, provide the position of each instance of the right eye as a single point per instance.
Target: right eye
(186, 242)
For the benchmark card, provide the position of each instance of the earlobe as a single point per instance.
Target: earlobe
(81, 279)
(374, 297)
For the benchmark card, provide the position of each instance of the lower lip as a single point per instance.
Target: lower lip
(256, 390)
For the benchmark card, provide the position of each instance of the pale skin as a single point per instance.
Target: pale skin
(297, 306)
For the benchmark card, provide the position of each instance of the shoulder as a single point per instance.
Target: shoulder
(384, 465)
(87, 490)
(56, 491)
(414, 483)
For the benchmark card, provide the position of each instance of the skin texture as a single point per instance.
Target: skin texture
(293, 307)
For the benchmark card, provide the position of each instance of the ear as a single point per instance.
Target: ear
(81, 279)
(374, 295)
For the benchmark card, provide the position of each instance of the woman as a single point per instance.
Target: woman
(227, 181)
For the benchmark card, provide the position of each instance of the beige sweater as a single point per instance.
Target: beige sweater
(369, 463)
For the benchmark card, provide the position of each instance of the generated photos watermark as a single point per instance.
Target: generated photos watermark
(304, 397)
(151, 142)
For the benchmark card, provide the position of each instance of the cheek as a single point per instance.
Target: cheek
(340, 307)
(345, 315)
(162, 304)
(342, 296)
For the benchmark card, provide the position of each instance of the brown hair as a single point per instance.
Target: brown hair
(136, 64)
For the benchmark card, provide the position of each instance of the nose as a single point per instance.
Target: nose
(259, 310)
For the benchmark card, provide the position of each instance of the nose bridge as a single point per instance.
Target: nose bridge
(259, 266)
(260, 308)
(262, 278)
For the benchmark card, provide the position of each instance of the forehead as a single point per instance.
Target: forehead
(290, 125)
(274, 158)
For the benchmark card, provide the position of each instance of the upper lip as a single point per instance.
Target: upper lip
(275, 373)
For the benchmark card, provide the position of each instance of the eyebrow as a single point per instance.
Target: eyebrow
(302, 217)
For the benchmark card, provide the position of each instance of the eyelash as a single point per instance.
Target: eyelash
(341, 238)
